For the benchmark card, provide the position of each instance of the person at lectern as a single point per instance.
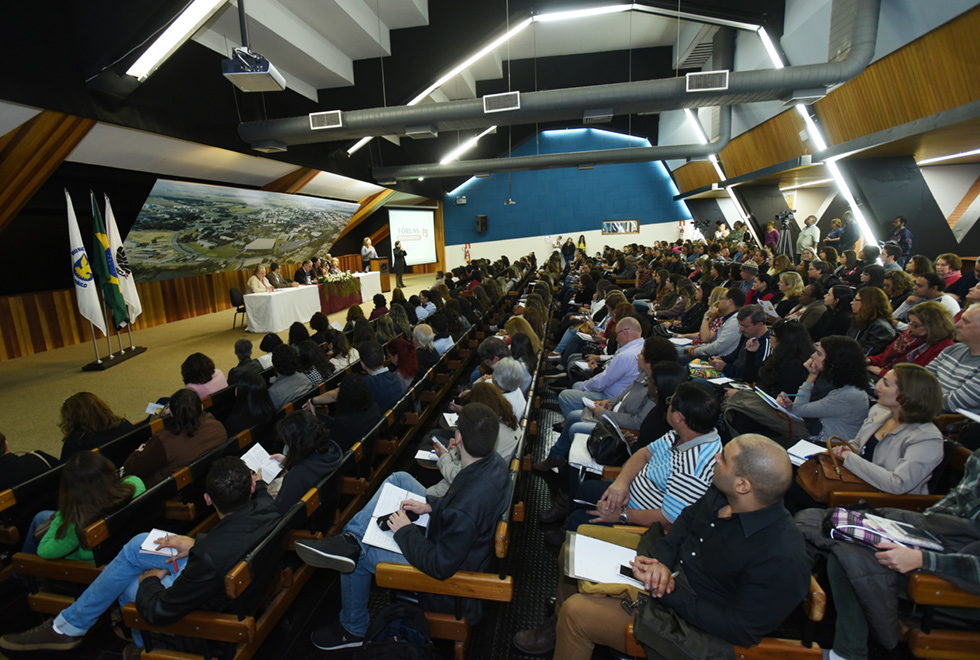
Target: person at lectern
(399, 263)
(367, 254)
(257, 283)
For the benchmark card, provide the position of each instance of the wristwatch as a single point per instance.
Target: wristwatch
(624, 518)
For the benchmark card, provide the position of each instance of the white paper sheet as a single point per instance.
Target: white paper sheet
(583, 365)
(423, 455)
(803, 450)
(681, 341)
(451, 418)
(337, 326)
(599, 561)
(389, 501)
(584, 337)
(149, 544)
(587, 402)
(257, 458)
(772, 402)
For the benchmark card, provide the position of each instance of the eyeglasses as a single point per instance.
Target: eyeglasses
(913, 324)
(668, 401)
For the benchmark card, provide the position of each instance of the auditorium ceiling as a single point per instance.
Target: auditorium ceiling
(334, 54)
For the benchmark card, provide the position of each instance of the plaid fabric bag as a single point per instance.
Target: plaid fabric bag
(850, 526)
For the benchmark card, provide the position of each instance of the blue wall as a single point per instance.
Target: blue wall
(567, 200)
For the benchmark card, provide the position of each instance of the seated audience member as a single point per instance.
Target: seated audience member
(872, 275)
(450, 462)
(929, 286)
(619, 373)
(298, 333)
(949, 266)
(898, 445)
(163, 596)
(252, 407)
(257, 283)
(442, 341)
(873, 327)
(727, 338)
(384, 329)
(355, 413)
(246, 365)
(508, 376)
(753, 347)
(898, 287)
(277, 280)
(400, 320)
(310, 456)
(516, 324)
(88, 423)
(929, 333)
(832, 400)
(267, 345)
(320, 325)
(304, 274)
(423, 338)
(424, 308)
(188, 433)
(522, 350)
(871, 601)
(90, 490)
(290, 383)
(459, 535)
(733, 586)
(919, 264)
(354, 312)
(341, 354)
(387, 387)
(398, 298)
(404, 360)
(791, 286)
(201, 376)
(838, 318)
(380, 306)
(313, 362)
(811, 306)
(363, 332)
(890, 256)
(958, 367)
(18, 468)
(961, 287)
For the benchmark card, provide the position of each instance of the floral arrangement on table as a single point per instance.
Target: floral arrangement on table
(348, 284)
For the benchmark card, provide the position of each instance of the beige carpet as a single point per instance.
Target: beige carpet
(33, 388)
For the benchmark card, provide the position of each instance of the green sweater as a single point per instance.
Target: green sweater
(69, 546)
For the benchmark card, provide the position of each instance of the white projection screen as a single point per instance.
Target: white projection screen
(414, 229)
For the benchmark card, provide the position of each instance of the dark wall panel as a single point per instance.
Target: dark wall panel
(765, 203)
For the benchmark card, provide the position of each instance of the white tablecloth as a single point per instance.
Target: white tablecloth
(276, 311)
(370, 285)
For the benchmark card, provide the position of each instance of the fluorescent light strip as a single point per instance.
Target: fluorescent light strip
(695, 18)
(581, 13)
(939, 159)
(465, 146)
(806, 185)
(770, 47)
(811, 128)
(692, 118)
(187, 23)
(869, 236)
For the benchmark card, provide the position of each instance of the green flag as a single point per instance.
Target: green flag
(104, 267)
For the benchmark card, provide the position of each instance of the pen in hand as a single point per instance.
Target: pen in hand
(173, 556)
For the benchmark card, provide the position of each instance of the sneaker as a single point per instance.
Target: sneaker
(337, 552)
(132, 652)
(333, 637)
(42, 637)
(556, 374)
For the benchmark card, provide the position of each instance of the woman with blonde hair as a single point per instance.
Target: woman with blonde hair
(367, 254)
(88, 423)
(873, 327)
(400, 318)
(929, 333)
(791, 285)
(517, 324)
(780, 265)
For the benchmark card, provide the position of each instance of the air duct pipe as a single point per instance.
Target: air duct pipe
(569, 104)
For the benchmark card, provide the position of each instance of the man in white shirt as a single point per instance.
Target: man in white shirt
(809, 237)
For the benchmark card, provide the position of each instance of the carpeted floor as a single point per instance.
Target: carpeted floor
(32, 388)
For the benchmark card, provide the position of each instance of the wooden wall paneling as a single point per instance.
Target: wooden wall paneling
(31, 153)
(694, 175)
(292, 182)
(368, 206)
(774, 141)
(938, 71)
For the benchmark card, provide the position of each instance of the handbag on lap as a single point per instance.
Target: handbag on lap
(824, 473)
(606, 443)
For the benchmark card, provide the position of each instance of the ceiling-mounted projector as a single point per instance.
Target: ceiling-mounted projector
(250, 72)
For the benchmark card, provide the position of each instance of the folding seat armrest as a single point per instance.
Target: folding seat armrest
(878, 500)
(465, 584)
(198, 624)
(69, 570)
(926, 589)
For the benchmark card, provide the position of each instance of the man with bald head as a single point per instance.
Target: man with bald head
(730, 570)
(619, 374)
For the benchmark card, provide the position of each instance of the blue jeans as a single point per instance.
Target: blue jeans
(573, 425)
(641, 307)
(30, 545)
(570, 400)
(565, 340)
(118, 581)
(355, 588)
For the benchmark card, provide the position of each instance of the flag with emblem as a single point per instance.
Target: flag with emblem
(104, 267)
(127, 283)
(85, 291)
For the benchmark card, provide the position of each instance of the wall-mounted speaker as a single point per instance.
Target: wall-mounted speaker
(481, 223)
(384, 266)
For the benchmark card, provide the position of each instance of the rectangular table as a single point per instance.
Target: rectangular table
(370, 285)
(276, 311)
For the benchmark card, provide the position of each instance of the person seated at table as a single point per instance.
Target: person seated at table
(320, 325)
(354, 312)
(290, 383)
(380, 306)
(252, 407)
(201, 376)
(304, 274)
(341, 354)
(243, 351)
(277, 280)
(930, 332)
(258, 283)
(188, 433)
(88, 423)
(90, 490)
(334, 267)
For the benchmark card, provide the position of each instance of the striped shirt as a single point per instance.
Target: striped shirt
(963, 501)
(959, 374)
(675, 476)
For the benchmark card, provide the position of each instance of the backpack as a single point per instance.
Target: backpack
(397, 632)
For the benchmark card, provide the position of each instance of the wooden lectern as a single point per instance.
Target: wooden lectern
(381, 266)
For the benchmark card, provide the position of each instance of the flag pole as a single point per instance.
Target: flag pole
(129, 326)
(122, 350)
(108, 339)
(95, 344)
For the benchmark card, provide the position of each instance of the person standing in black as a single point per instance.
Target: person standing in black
(399, 254)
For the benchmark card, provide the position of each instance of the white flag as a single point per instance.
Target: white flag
(85, 289)
(127, 283)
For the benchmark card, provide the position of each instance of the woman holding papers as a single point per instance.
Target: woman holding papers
(310, 456)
